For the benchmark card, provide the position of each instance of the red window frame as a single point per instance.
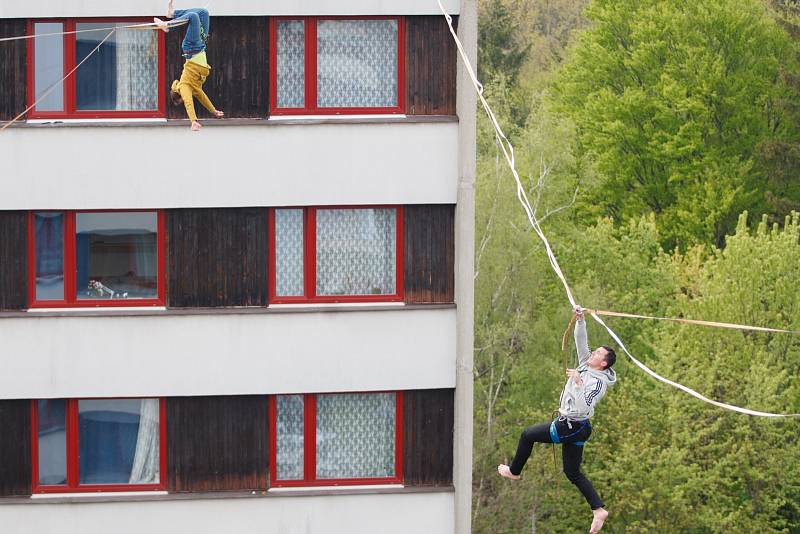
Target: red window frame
(310, 260)
(310, 446)
(70, 111)
(70, 265)
(311, 107)
(73, 484)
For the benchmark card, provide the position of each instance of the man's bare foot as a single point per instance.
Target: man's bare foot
(196, 126)
(504, 471)
(219, 114)
(161, 24)
(600, 516)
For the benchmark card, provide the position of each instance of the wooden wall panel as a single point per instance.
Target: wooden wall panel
(217, 443)
(15, 448)
(217, 257)
(13, 260)
(431, 56)
(13, 75)
(428, 438)
(238, 53)
(429, 253)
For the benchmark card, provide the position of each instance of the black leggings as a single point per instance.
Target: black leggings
(571, 453)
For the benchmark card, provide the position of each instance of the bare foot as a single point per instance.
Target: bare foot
(504, 471)
(161, 24)
(219, 114)
(600, 516)
(196, 126)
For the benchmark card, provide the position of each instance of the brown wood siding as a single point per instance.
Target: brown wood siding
(238, 54)
(217, 257)
(13, 260)
(13, 75)
(430, 66)
(429, 253)
(428, 438)
(15, 448)
(217, 443)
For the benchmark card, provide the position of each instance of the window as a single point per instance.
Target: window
(98, 445)
(336, 439)
(124, 78)
(96, 258)
(336, 254)
(336, 65)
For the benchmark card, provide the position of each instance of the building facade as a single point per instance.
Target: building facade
(264, 326)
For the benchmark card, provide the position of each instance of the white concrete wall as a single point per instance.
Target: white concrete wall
(102, 8)
(413, 513)
(176, 355)
(275, 165)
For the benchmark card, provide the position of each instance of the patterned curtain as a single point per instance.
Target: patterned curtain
(289, 437)
(289, 252)
(356, 251)
(356, 435)
(146, 465)
(137, 70)
(356, 63)
(291, 64)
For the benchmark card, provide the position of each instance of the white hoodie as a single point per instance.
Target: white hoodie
(578, 402)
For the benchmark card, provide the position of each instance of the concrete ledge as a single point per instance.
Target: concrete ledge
(214, 495)
(143, 312)
(217, 123)
(285, 163)
(399, 512)
(168, 354)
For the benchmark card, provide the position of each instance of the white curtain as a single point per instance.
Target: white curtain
(137, 70)
(356, 251)
(146, 460)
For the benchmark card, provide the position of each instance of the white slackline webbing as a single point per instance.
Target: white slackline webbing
(508, 153)
(139, 26)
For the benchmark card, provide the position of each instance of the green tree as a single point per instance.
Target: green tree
(672, 100)
(738, 472)
(501, 51)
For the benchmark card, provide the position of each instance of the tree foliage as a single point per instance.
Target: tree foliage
(673, 100)
(670, 119)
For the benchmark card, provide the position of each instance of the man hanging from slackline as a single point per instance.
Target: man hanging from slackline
(585, 387)
(196, 68)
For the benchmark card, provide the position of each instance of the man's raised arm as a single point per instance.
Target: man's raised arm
(581, 338)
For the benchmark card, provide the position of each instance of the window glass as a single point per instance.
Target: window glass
(122, 75)
(117, 255)
(289, 437)
(119, 441)
(356, 435)
(357, 63)
(289, 252)
(291, 64)
(49, 253)
(356, 251)
(49, 66)
(52, 437)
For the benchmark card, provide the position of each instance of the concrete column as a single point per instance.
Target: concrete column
(465, 270)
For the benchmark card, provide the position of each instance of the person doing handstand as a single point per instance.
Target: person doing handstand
(586, 386)
(196, 68)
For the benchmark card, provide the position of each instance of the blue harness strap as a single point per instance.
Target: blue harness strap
(554, 433)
